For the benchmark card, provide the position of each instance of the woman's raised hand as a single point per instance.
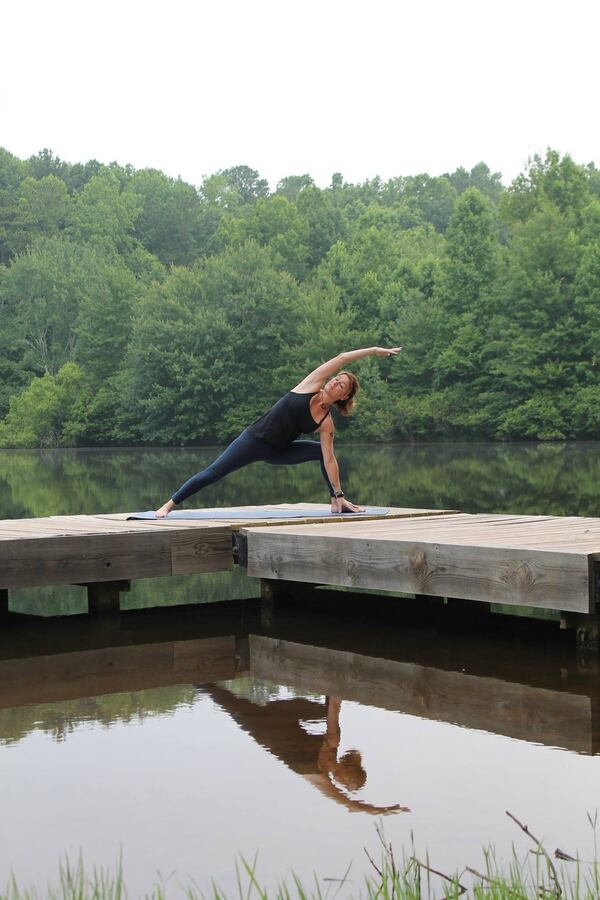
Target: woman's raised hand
(387, 351)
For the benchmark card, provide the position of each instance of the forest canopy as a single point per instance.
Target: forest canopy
(137, 308)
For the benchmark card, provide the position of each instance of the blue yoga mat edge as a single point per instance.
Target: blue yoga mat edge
(260, 513)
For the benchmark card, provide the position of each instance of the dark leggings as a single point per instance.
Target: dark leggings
(248, 449)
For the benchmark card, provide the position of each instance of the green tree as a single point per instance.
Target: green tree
(291, 186)
(104, 320)
(42, 209)
(555, 179)
(278, 224)
(12, 173)
(210, 348)
(326, 223)
(45, 163)
(431, 199)
(104, 215)
(61, 299)
(480, 177)
(246, 182)
(40, 415)
(168, 223)
(472, 253)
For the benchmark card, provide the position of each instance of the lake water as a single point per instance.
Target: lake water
(182, 736)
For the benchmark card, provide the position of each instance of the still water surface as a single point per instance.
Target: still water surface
(183, 736)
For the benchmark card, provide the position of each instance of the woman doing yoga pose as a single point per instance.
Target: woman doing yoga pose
(272, 438)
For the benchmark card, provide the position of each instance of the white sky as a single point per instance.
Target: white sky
(287, 87)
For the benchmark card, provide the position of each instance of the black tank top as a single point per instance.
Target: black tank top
(286, 420)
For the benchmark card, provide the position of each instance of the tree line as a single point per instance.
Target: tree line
(137, 308)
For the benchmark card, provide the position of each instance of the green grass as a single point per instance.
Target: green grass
(533, 875)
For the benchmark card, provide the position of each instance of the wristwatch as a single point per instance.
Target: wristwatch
(337, 494)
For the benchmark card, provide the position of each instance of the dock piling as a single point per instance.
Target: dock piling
(104, 596)
(586, 628)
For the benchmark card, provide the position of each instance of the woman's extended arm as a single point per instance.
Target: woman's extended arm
(315, 379)
(326, 433)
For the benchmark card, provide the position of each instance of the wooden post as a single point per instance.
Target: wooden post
(464, 610)
(103, 596)
(275, 590)
(587, 634)
(429, 601)
(242, 654)
(268, 593)
(586, 628)
(3, 603)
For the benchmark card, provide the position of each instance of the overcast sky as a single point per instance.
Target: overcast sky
(287, 87)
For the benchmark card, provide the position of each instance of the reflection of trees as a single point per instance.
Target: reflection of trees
(536, 479)
(521, 478)
(61, 719)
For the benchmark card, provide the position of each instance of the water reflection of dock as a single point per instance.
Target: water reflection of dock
(521, 711)
(540, 694)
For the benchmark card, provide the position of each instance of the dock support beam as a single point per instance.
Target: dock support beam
(103, 596)
(3, 603)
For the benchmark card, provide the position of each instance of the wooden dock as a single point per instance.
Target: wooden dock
(105, 552)
(543, 562)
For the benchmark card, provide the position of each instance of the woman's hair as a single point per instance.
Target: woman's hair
(349, 771)
(345, 406)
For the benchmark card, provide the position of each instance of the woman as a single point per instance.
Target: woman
(272, 438)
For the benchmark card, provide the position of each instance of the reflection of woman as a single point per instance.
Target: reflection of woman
(273, 437)
(278, 727)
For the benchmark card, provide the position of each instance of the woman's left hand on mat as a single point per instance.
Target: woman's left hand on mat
(341, 505)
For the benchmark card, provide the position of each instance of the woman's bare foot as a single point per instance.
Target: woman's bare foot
(165, 509)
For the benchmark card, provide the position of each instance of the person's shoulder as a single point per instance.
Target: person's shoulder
(327, 425)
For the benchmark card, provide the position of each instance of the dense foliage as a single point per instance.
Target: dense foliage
(137, 308)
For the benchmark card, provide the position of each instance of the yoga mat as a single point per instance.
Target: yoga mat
(259, 512)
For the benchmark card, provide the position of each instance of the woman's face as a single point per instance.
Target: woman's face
(338, 388)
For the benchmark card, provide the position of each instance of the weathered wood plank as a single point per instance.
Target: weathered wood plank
(537, 578)
(84, 558)
(207, 551)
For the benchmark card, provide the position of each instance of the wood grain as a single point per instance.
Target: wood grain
(207, 551)
(83, 558)
(454, 556)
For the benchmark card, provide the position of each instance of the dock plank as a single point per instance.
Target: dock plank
(83, 558)
(536, 562)
(110, 547)
(208, 552)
